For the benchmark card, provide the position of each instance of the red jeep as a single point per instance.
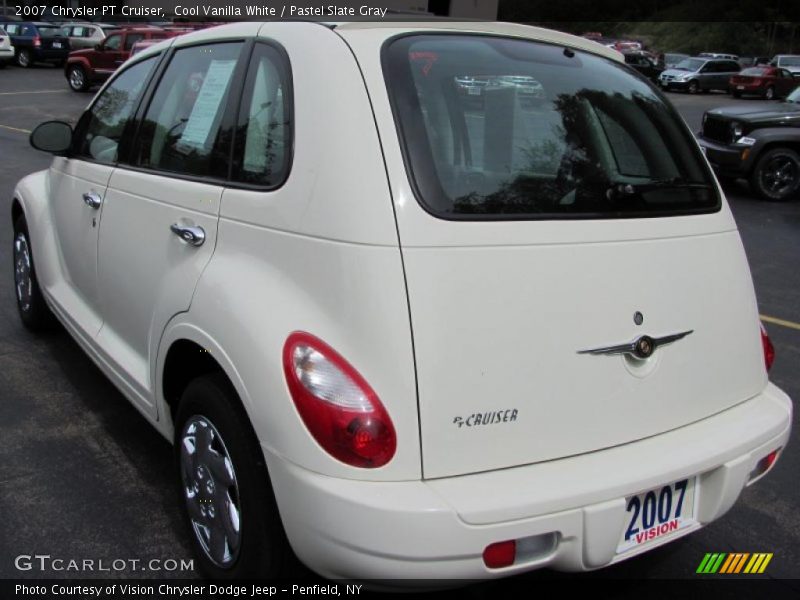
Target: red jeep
(85, 68)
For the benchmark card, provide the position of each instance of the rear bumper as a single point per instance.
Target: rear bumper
(438, 529)
(7, 53)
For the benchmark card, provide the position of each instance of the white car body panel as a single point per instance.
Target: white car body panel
(343, 250)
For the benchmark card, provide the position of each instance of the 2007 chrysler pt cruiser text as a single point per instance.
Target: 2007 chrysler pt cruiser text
(415, 300)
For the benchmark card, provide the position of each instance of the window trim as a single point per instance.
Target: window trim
(412, 177)
(289, 112)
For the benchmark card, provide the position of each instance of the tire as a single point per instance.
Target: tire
(210, 426)
(769, 93)
(776, 175)
(694, 86)
(33, 310)
(77, 79)
(24, 59)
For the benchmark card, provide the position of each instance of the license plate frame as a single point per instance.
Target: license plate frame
(657, 513)
(56, 44)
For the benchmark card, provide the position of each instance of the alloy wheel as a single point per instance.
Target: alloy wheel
(780, 175)
(76, 78)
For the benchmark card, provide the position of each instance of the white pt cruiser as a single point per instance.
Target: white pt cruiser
(408, 327)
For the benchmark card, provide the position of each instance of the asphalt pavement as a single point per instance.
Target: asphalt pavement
(82, 475)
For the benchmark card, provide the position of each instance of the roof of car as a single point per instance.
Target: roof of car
(486, 27)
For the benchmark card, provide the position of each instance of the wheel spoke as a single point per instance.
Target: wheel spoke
(221, 468)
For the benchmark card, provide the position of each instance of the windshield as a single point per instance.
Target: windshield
(789, 61)
(755, 72)
(690, 64)
(47, 32)
(548, 132)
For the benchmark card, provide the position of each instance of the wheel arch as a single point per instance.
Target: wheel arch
(186, 353)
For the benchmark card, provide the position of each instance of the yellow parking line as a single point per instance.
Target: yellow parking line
(781, 322)
(15, 129)
(31, 92)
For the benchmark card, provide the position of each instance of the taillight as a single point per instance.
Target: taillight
(337, 405)
(769, 349)
(37, 42)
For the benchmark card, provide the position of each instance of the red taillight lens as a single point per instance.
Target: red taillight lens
(769, 349)
(37, 42)
(336, 404)
(499, 555)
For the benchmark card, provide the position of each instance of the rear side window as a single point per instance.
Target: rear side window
(131, 39)
(264, 131)
(496, 128)
(182, 130)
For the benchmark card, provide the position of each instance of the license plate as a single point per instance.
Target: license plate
(56, 44)
(739, 87)
(658, 513)
(474, 91)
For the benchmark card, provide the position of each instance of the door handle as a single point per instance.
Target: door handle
(92, 200)
(194, 236)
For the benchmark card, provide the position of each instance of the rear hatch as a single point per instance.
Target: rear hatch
(583, 221)
(52, 41)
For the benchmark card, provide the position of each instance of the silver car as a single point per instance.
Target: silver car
(86, 35)
(699, 74)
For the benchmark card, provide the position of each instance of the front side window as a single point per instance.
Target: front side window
(100, 131)
(113, 42)
(183, 130)
(264, 131)
(500, 128)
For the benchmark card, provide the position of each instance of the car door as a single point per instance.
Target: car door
(784, 82)
(109, 57)
(77, 188)
(161, 210)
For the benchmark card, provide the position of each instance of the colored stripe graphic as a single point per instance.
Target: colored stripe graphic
(734, 563)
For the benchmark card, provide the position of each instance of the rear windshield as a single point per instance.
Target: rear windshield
(47, 32)
(755, 72)
(497, 128)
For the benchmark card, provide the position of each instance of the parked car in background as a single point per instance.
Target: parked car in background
(719, 55)
(767, 82)
(88, 67)
(475, 88)
(86, 35)
(6, 49)
(671, 59)
(37, 42)
(790, 62)
(759, 143)
(753, 61)
(643, 63)
(586, 378)
(699, 74)
(143, 45)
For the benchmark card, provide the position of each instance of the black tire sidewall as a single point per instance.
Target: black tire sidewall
(264, 549)
(755, 179)
(694, 87)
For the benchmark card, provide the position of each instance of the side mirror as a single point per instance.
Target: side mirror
(52, 136)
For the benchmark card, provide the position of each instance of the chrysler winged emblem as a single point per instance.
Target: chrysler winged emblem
(642, 347)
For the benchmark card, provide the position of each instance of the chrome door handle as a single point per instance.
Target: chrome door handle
(191, 235)
(92, 200)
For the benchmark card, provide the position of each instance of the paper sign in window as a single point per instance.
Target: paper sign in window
(208, 103)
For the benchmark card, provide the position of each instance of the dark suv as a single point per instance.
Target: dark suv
(37, 42)
(757, 142)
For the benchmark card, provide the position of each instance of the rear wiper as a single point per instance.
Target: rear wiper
(629, 189)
